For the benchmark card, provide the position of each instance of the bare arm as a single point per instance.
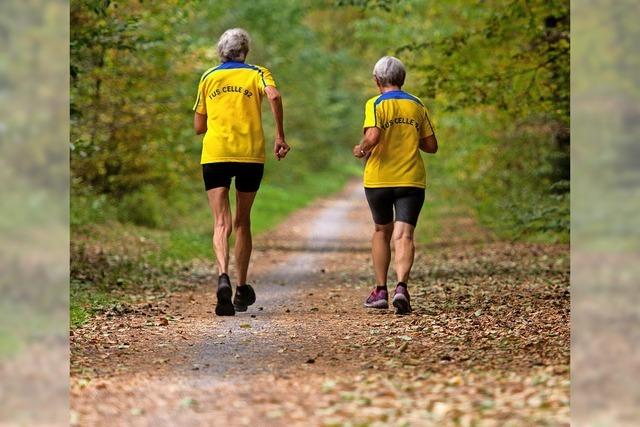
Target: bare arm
(429, 144)
(280, 148)
(200, 123)
(370, 140)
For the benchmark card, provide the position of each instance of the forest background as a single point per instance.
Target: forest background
(494, 76)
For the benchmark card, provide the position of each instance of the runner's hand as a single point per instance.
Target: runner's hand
(280, 149)
(358, 152)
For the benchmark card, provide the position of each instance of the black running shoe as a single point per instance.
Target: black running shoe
(245, 296)
(224, 307)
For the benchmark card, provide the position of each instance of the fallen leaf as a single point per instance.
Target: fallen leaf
(188, 402)
(328, 386)
(275, 413)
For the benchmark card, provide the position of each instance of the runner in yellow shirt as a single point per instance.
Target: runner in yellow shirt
(227, 111)
(396, 128)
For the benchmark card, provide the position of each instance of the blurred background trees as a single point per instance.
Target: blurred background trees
(494, 74)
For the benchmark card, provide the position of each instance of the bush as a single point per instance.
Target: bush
(143, 207)
(88, 208)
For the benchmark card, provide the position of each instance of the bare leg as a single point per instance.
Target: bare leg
(219, 204)
(405, 249)
(242, 225)
(381, 252)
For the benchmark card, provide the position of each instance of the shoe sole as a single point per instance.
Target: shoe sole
(240, 307)
(243, 307)
(224, 306)
(401, 304)
(381, 305)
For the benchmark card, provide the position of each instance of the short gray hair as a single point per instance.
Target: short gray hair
(389, 71)
(233, 45)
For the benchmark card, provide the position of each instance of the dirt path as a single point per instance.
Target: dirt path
(487, 344)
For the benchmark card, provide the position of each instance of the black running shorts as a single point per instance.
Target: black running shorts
(407, 202)
(248, 175)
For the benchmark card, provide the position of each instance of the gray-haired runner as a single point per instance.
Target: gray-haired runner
(396, 128)
(227, 111)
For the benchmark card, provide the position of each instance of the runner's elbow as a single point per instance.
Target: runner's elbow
(275, 97)
(273, 94)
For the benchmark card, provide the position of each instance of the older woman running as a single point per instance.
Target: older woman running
(396, 128)
(227, 111)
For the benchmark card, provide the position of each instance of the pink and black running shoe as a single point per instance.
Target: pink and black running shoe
(379, 298)
(401, 299)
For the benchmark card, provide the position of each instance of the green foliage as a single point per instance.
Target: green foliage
(135, 160)
(134, 77)
(87, 302)
(124, 104)
(510, 182)
(91, 208)
(495, 76)
(143, 207)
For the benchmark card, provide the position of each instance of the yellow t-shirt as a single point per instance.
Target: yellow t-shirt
(403, 121)
(231, 95)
